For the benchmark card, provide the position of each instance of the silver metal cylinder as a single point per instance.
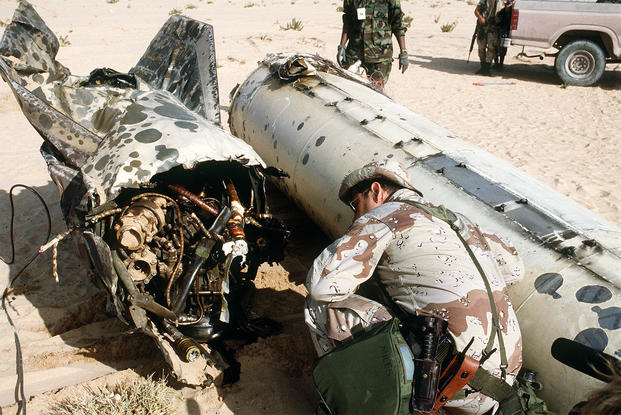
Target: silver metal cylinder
(319, 125)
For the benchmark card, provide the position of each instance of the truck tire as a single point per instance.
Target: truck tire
(581, 63)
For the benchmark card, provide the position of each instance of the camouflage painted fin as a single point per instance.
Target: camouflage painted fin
(181, 59)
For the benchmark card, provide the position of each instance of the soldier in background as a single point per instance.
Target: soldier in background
(368, 26)
(488, 33)
(424, 269)
(504, 28)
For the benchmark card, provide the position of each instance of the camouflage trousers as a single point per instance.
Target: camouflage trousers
(378, 72)
(488, 42)
(331, 324)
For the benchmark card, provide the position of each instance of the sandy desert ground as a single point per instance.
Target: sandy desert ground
(569, 138)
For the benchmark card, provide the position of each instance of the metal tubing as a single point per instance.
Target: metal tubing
(193, 198)
(236, 222)
(190, 275)
(175, 271)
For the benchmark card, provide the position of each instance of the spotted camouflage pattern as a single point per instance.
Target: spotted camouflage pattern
(370, 41)
(425, 269)
(112, 137)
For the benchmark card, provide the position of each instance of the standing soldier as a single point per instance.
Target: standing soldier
(488, 33)
(504, 28)
(368, 26)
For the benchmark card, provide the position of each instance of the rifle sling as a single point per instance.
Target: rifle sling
(482, 381)
(450, 218)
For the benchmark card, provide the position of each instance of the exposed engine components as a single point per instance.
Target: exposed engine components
(140, 222)
(191, 249)
(142, 265)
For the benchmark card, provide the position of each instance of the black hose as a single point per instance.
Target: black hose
(12, 223)
(205, 247)
(19, 388)
(189, 276)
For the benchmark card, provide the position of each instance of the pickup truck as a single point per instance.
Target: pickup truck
(586, 34)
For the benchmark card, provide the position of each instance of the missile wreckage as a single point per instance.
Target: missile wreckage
(167, 208)
(318, 123)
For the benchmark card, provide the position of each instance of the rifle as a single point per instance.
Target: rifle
(474, 37)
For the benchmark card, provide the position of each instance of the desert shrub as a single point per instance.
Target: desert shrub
(137, 397)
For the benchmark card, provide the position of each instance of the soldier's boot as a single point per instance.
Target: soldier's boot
(498, 63)
(484, 69)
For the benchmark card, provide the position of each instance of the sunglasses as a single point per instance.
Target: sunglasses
(356, 201)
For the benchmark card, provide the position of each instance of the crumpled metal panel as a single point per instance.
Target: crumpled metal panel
(181, 59)
(155, 134)
(108, 132)
(33, 44)
(118, 137)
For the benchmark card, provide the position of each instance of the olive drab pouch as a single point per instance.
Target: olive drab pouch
(370, 374)
(526, 385)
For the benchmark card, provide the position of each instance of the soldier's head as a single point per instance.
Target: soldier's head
(370, 186)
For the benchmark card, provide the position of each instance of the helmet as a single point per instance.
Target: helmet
(390, 170)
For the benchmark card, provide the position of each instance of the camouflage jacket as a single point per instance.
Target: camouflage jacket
(426, 270)
(371, 39)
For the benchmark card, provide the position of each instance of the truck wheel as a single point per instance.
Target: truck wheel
(581, 62)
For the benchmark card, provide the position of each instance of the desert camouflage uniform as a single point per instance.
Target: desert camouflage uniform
(488, 37)
(425, 269)
(370, 40)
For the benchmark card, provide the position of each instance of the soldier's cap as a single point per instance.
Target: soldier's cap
(390, 170)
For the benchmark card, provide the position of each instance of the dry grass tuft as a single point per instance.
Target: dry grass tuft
(294, 24)
(64, 40)
(136, 397)
(174, 11)
(448, 27)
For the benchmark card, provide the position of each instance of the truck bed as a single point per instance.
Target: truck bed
(541, 23)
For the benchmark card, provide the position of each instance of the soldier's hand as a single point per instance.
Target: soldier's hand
(340, 55)
(403, 61)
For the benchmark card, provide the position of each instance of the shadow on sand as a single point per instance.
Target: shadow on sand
(276, 371)
(533, 71)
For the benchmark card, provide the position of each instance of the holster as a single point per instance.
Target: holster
(427, 369)
(455, 376)
(439, 372)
